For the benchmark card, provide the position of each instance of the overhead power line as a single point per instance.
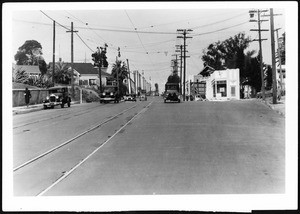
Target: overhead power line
(223, 20)
(55, 21)
(200, 34)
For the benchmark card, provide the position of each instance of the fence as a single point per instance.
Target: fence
(37, 96)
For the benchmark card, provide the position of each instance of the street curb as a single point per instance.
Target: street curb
(271, 107)
(32, 109)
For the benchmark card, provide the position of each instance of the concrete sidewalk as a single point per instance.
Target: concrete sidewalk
(31, 108)
(279, 107)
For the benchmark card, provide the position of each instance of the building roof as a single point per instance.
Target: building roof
(207, 70)
(85, 68)
(31, 69)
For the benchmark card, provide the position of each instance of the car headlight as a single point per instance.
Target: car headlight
(111, 93)
(47, 98)
(103, 93)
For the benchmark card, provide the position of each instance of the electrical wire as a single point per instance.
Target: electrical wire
(224, 20)
(84, 43)
(200, 34)
(55, 21)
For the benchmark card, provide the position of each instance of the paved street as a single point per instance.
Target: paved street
(150, 148)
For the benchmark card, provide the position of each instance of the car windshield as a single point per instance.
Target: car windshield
(57, 90)
(109, 89)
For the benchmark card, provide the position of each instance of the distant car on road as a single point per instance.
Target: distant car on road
(172, 92)
(143, 95)
(109, 94)
(130, 97)
(58, 95)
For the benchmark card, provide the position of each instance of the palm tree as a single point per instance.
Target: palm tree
(119, 68)
(61, 74)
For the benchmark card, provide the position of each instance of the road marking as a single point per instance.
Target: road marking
(85, 159)
(68, 141)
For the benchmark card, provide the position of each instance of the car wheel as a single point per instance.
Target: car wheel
(45, 107)
(52, 106)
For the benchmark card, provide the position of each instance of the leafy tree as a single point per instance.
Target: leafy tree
(227, 54)
(29, 53)
(268, 78)
(156, 87)
(173, 78)
(283, 50)
(42, 81)
(252, 68)
(20, 76)
(42, 66)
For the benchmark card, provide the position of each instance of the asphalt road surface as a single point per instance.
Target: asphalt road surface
(150, 147)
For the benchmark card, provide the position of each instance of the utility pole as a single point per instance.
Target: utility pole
(128, 78)
(181, 47)
(279, 59)
(184, 32)
(273, 57)
(72, 55)
(274, 80)
(117, 70)
(53, 59)
(260, 46)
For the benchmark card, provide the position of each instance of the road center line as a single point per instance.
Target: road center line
(85, 159)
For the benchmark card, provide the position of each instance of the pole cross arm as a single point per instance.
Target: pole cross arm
(259, 30)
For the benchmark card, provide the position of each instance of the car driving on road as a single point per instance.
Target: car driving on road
(172, 92)
(143, 95)
(58, 95)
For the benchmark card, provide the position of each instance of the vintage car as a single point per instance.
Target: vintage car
(143, 95)
(109, 94)
(58, 95)
(172, 92)
(130, 97)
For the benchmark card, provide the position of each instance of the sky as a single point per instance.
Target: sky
(145, 32)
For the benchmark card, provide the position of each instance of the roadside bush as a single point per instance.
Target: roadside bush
(90, 95)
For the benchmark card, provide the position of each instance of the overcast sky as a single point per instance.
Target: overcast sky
(145, 32)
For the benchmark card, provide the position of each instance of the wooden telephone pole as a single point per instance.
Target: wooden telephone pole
(184, 33)
(53, 59)
(72, 56)
(260, 46)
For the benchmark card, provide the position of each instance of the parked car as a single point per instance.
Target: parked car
(130, 97)
(143, 95)
(109, 94)
(58, 95)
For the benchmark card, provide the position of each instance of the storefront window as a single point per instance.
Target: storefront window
(222, 88)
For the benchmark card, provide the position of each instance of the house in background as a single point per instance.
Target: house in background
(31, 70)
(86, 75)
(89, 75)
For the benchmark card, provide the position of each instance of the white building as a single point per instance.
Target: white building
(218, 85)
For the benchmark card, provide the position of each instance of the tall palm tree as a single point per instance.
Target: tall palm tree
(119, 68)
